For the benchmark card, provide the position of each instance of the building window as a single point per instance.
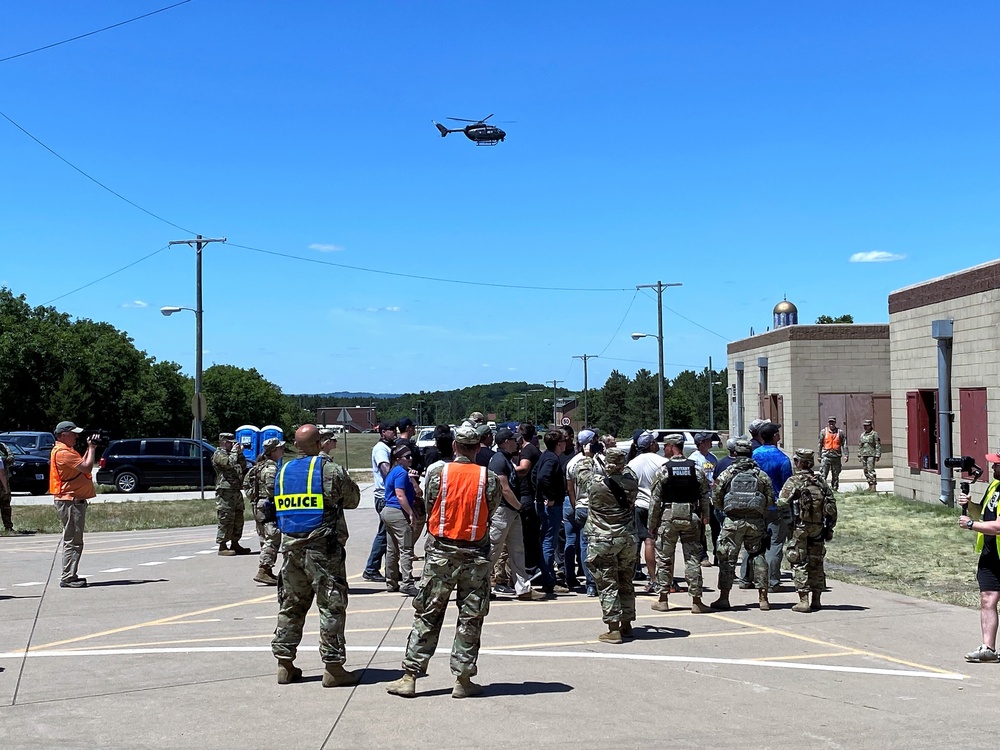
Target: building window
(921, 430)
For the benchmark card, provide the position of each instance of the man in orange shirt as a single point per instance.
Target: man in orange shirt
(71, 486)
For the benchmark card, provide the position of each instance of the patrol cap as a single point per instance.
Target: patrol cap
(226, 436)
(477, 417)
(271, 443)
(674, 438)
(645, 440)
(831, 419)
(742, 447)
(755, 426)
(466, 436)
(327, 433)
(805, 454)
(482, 429)
(66, 426)
(615, 458)
(867, 421)
(584, 437)
(504, 434)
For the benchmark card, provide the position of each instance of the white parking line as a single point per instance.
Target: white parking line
(182, 557)
(31, 583)
(151, 564)
(115, 570)
(206, 551)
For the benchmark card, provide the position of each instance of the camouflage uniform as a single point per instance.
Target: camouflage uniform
(449, 565)
(814, 513)
(668, 531)
(314, 565)
(260, 493)
(869, 451)
(612, 538)
(7, 458)
(229, 466)
(747, 531)
(831, 460)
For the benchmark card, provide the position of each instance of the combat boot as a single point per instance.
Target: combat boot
(465, 688)
(815, 605)
(762, 601)
(405, 686)
(336, 676)
(625, 629)
(288, 672)
(265, 576)
(614, 635)
(224, 551)
(803, 605)
(699, 607)
(238, 550)
(723, 601)
(661, 604)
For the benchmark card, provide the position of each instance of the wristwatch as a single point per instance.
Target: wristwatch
(968, 524)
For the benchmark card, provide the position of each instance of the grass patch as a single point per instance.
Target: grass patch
(124, 516)
(911, 548)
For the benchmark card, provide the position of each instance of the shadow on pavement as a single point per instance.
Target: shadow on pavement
(656, 632)
(132, 582)
(844, 608)
(356, 590)
(505, 688)
(375, 675)
(9, 596)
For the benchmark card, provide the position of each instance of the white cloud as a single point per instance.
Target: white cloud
(484, 364)
(390, 308)
(136, 304)
(326, 248)
(875, 256)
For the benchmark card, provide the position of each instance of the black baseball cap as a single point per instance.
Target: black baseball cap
(404, 423)
(383, 426)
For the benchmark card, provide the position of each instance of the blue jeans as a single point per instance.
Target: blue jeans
(576, 542)
(551, 521)
(378, 543)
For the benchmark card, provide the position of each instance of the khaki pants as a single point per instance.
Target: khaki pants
(399, 548)
(505, 529)
(72, 515)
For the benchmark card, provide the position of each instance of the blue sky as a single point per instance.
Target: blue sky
(745, 150)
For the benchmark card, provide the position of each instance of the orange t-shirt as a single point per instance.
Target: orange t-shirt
(66, 481)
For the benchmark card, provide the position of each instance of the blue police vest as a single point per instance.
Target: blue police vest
(298, 495)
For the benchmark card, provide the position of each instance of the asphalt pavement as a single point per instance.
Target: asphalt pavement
(169, 648)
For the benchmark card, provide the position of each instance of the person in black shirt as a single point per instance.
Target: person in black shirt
(987, 529)
(550, 493)
(406, 431)
(527, 457)
(485, 445)
(505, 525)
(442, 449)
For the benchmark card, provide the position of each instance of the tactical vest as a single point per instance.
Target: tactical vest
(460, 511)
(743, 497)
(298, 495)
(681, 483)
(811, 502)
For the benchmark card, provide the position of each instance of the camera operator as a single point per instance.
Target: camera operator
(987, 529)
(71, 486)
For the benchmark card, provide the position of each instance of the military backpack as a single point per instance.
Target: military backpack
(811, 502)
(744, 498)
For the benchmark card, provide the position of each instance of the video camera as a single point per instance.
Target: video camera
(97, 437)
(966, 464)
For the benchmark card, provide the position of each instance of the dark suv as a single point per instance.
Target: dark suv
(140, 463)
(35, 443)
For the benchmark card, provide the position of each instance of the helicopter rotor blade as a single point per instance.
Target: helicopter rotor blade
(459, 119)
(487, 117)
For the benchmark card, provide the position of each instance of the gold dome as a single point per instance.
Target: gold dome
(785, 307)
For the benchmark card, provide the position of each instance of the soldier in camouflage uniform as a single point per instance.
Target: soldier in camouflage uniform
(612, 541)
(314, 566)
(869, 451)
(6, 462)
(743, 492)
(475, 420)
(456, 558)
(258, 486)
(814, 514)
(833, 451)
(229, 464)
(678, 510)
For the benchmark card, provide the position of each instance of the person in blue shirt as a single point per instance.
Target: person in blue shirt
(401, 519)
(778, 467)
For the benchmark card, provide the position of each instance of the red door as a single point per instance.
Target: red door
(974, 440)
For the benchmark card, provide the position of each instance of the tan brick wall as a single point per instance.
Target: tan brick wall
(913, 361)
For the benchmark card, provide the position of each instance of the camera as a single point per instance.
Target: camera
(98, 437)
(966, 464)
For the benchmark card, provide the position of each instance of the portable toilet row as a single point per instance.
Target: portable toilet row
(251, 438)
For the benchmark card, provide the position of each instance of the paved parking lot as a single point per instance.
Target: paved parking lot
(169, 647)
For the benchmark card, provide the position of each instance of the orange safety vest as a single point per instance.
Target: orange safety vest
(460, 511)
(831, 440)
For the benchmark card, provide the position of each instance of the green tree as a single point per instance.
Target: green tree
(166, 404)
(609, 407)
(237, 396)
(642, 403)
(839, 319)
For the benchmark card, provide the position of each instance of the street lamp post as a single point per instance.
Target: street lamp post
(659, 339)
(198, 411)
(659, 286)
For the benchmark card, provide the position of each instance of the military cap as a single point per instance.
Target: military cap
(271, 443)
(742, 447)
(477, 417)
(674, 438)
(615, 458)
(466, 436)
(226, 436)
(327, 433)
(482, 429)
(831, 419)
(867, 421)
(805, 454)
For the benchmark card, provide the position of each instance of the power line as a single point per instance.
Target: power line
(398, 274)
(620, 323)
(94, 179)
(91, 33)
(692, 322)
(108, 275)
(644, 362)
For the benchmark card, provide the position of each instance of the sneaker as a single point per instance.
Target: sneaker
(559, 590)
(392, 588)
(376, 577)
(410, 590)
(591, 590)
(503, 589)
(706, 563)
(81, 583)
(746, 585)
(982, 655)
(530, 596)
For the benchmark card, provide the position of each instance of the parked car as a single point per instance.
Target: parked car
(139, 463)
(30, 473)
(425, 439)
(35, 443)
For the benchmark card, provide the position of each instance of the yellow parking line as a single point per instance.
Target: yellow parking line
(847, 652)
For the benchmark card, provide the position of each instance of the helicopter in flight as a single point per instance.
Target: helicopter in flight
(478, 131)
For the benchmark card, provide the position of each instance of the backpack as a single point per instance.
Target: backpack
(811, 503)
(251, 483)
(743, 497)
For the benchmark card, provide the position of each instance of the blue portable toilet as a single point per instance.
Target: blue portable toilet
(248, 436)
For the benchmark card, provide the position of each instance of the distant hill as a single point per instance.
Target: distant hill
(353, 395)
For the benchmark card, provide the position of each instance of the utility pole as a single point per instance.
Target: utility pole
(199, 408)
(585, 357)
(711, 396)
(554, 383)
(659, 286)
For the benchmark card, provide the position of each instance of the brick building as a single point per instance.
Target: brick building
(971, 300)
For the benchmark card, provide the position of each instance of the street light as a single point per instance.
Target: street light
(659, 340)
(198, 409)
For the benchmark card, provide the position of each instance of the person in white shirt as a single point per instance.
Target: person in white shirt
(645, 465)
(706, 462)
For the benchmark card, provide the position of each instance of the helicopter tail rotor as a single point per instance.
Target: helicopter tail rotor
(441, 128)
